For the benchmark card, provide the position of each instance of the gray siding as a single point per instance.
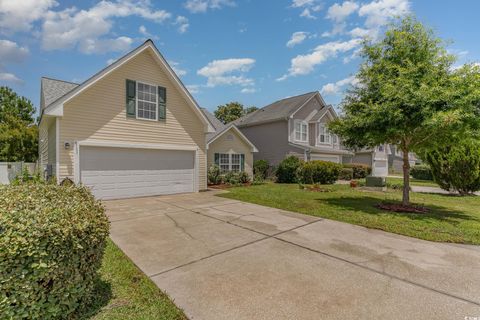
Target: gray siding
(271, 140)
(364, 158)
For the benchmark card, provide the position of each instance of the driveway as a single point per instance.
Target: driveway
(225, 259)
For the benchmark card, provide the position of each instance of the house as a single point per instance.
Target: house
(130, 130)
(228, 147)
(294, 126)
(376, 158)
(395, 159)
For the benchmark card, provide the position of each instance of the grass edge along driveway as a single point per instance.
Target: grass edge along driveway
(450, 219)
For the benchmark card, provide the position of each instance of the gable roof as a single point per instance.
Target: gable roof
(221, 128)
(55, 108)
(319, 115)
(277, 110)
(52, 89)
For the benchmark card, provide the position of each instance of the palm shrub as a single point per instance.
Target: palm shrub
(52, 240)
(421, 172)
(360, 170)
(287, 169)
(317, 171)
(243, 177)
(456, 167)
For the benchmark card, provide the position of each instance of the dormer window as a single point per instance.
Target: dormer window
(301, 131)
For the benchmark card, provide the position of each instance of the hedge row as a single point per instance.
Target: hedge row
(51, 245)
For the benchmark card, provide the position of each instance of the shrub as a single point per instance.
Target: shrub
(258, 180)
(51, 245)
(421, 172)
(287, 170)
(360, 170)
(213, 175)
(231, 178)
(260, 168)
(456, 167)
(317, 171)
(243, 177)
(346, 174)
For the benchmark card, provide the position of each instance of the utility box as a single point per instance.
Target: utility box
(376, 181)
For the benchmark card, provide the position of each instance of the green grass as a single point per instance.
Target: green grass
(124, 292)
(413, 182)
(450, 219)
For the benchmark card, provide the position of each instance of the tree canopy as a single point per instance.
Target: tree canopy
(232, 111)
(408, 94)
(18, 131)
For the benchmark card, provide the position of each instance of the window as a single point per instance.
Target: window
(334, 138)
(301, 131)
(147, 102)
(230, 162)
(224, 162)
(323, 134)
(380, 148)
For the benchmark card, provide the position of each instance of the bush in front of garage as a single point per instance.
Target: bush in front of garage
(286, 171)
(421, 172)
(317, 171)
(52, 240)
(346, 174)
(360, 170)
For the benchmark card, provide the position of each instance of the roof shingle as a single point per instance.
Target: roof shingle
(52, 89)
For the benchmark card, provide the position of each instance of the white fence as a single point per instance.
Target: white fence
(9, 170)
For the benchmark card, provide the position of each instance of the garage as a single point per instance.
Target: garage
(114, 173)
(325, 157)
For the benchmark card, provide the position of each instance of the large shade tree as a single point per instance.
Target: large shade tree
(408, 94)
(232, 111)
(18, 131)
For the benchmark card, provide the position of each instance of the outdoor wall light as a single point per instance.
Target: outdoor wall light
(67, 145)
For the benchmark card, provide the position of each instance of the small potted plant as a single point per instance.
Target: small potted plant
(353, 183)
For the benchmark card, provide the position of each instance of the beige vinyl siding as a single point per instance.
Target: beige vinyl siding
(47, 142)
(98, 113)
(236, 145)
(52, 143)
(43, 143)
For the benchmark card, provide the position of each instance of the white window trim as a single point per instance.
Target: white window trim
(318, 142)
(230, 161)
(136, 101)
(295, 130)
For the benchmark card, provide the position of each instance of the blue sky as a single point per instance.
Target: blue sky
(254, 52)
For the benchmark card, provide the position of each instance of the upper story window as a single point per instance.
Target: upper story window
(301, 131)
(381, 148)
(147, 102)
(324, 136)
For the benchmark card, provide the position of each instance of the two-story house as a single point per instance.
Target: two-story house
(294, 126)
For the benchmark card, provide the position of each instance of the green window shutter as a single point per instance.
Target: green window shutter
(242, 162)
(162, 103)
(131, 87)
(217, 159)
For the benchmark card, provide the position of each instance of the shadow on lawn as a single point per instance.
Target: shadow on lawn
(367, 205)
(102, 295)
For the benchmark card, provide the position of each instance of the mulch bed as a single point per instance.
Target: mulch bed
(398, 207)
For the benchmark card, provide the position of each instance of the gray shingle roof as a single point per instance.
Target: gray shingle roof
(217, 125)
(280, 109)
(53, 89)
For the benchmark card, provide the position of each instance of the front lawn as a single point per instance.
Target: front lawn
(124, 292)
(450, 219)
(413, 182)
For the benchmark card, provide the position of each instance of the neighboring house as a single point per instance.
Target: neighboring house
(293, 126)
(228, 147)
(131, 130)
(376, 158)
(395, 160)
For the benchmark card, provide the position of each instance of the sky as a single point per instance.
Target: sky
(253, 52)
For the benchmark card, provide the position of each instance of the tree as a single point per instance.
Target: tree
(232, 111)
(18, 131)
(456, 167)
(407, 95)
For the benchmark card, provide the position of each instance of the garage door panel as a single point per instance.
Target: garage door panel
(113, 173)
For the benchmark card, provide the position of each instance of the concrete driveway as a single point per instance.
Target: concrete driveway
(225, 259)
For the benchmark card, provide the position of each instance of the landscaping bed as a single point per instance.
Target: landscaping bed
(449, 219)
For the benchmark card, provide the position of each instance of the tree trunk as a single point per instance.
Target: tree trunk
(406, 178)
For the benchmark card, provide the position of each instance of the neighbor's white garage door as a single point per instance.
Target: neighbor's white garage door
(324, 157)
(114, 173)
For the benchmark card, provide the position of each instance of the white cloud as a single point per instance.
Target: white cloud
(335, 88)
(339, 13)
(200, 6)
(9, 77)
(248, 90)
(18, 15)
(227, 72)
(193, 88)
(182, 23)
(302, 3)
(297, 38)
(85, 29)
(305, 64)
(143, 30)
(362, 33)
(380, 12)
(110, 61)
(176, 67)
(11, 52)
(308, 6)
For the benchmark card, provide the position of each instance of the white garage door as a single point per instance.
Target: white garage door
(114, 173)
